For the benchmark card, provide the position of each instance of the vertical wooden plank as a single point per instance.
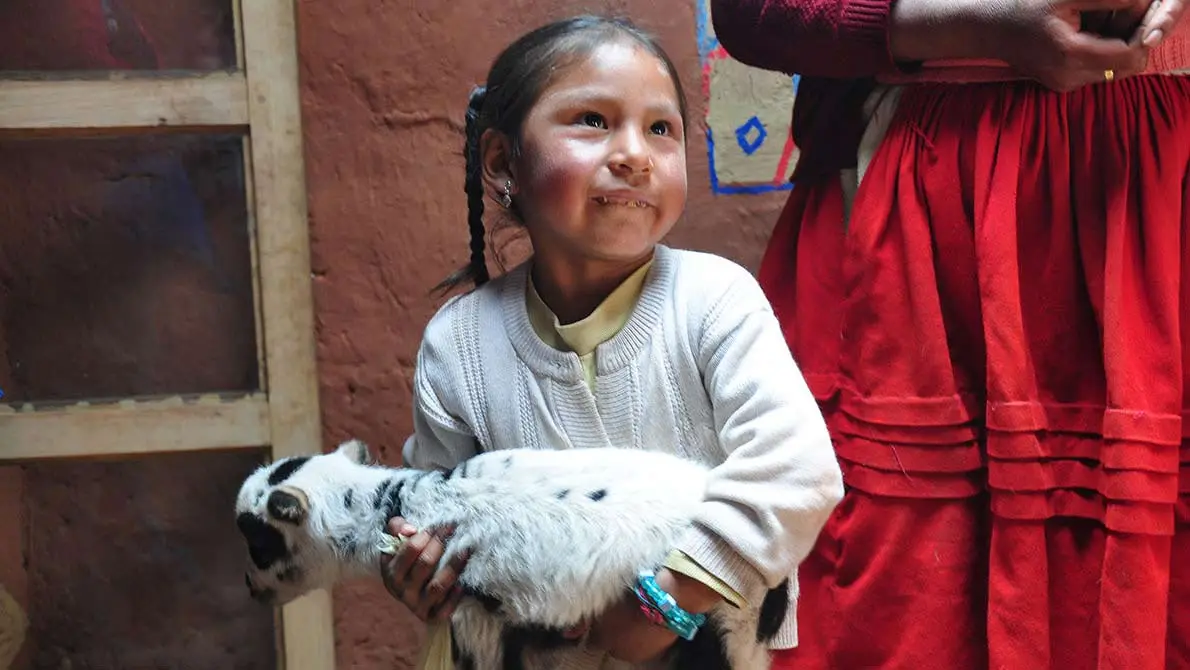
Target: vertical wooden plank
(254, 258)
(271, 65)
(283, 241)
(14, 578)
(238, 28)
(250, 195)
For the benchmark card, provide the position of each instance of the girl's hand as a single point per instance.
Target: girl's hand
(1041, 39)
(410, 575)
(625, 633)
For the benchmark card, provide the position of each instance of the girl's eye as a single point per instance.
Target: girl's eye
(661, 128)
(594, 120)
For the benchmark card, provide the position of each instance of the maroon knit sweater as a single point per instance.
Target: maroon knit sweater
(837, 46)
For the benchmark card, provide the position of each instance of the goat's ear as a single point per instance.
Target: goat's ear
(288, 506)
(356, 452)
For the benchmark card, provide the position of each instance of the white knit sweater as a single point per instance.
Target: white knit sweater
(701, 369)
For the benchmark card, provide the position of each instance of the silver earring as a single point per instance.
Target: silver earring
(506, 199)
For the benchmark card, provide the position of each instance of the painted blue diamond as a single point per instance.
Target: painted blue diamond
(751, 135)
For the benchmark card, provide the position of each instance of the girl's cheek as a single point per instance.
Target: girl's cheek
(565, 181)
(675, 171)
(539, 171)
(552, 177)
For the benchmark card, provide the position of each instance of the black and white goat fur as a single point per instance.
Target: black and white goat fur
(556, 537)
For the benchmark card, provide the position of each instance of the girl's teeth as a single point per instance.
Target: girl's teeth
(635, 203)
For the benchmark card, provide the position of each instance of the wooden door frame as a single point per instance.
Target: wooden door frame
(260, 99)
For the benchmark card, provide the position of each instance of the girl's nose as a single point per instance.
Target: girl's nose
(632, 156)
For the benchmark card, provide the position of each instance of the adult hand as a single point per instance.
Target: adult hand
(1041, 39)
(1121, 23)
(413, 577)
(1160, 21)
(1148, 21)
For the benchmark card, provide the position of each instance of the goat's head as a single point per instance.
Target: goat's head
(291, 514)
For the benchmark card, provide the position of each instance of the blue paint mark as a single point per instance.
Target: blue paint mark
(750, 189)
(751, 135)
(706, 44)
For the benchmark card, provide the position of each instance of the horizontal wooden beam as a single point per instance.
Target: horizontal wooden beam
(128, 427)
(218, 100)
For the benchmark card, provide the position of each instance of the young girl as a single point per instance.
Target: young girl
(607, 338)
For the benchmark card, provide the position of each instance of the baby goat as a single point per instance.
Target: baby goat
(556, 537)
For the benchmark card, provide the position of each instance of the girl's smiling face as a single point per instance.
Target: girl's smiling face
(601, 170)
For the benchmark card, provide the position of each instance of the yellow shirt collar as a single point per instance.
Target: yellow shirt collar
(582, 337)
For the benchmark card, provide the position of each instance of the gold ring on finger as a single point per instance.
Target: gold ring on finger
(1109, 75)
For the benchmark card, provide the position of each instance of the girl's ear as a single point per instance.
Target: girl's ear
(496, 158)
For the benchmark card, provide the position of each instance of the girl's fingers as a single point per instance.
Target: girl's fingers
(394, 571)
(447, 608)
(425, 564)
(399, 526)
(408, 557)
(440, 587)
(399, 564)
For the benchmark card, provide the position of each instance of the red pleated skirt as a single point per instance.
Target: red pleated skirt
(999, 340)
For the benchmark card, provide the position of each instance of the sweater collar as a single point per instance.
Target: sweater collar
(584, 336)
(613, 354)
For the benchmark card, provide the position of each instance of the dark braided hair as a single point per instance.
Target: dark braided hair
(474, 186)
(518, 77)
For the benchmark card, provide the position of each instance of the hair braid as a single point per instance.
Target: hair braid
(478, 269)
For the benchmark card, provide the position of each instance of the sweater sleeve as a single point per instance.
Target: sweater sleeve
(769, 499)
(818, 38)
(441, 439)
